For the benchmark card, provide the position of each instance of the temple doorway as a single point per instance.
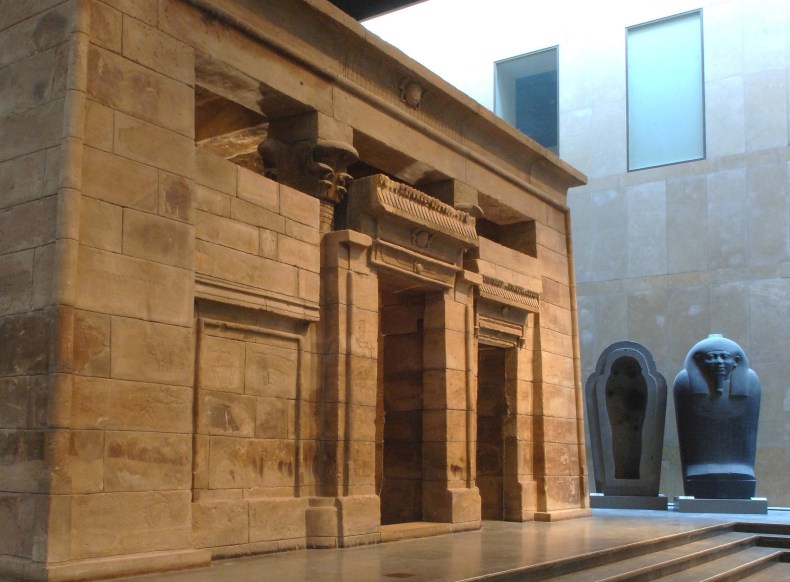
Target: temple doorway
(399, 418)
(491, 414)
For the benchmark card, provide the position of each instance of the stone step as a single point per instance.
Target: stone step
(731, 567)
(663, 562)
(580, 563)
(775, 572)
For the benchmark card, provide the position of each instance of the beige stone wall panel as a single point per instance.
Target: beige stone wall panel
(23, 457)
(176, 197)
(277, 519)
(23, 402)
(226, 414)
(275, 418)
(154, 145)
(213, 202)
(77, 461)
(240, 462)
(16, 282)
(144, 10)
(558, 401)
(120, 181)
(256, 215)
(27, 30)
(101, 224)
(91, 344)
(292, 251)
(129, 522)
(99, 403)
(258, 190)
(271, 370)
(33, 81)
(106, 25)
(28, 225)
(21, 179)
(126, 86)
(33, 130)
(220, 523)
(151, 352)
(131, 287)
(558, 370)
(21, 522)
(216, 173)
(158, 239)
(147, 461)
(221, 364)
(26, 334)
(153, 49)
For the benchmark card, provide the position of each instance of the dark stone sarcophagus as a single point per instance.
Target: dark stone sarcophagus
(626, 408)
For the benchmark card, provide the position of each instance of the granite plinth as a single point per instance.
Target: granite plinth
(756, 505)
(601, 501)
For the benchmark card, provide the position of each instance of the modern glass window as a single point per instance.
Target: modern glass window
(526, 95)
(666, 117)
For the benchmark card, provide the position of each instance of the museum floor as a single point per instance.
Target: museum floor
(487, 554)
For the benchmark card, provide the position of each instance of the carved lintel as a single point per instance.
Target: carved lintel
(328, 161)
(509, 294)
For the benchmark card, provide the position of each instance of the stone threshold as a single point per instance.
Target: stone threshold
(414, 529)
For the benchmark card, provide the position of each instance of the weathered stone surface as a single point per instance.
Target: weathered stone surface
(151, 352)
(21, 179)
(35, 130)
(126, 86)
(176, 197)
(27, 337)
(277, 519)
(129, 522)
(101, 224)
(238, 462)
(22, 454)
(16, 282)
(127, 286)
(220, 523)
(28, 225)
(119, 180)
(77, 461)
(160, 52)
(147, 461)
(271, 370)
(221, 364)
(225, 413)
(154, 145)
(158, 239)
(99, 403)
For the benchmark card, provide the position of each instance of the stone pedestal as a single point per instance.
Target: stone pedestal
(755, 505)
(601, 501)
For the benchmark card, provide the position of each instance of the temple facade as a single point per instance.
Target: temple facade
(267, 284)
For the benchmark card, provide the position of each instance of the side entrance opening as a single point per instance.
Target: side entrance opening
(491, 414)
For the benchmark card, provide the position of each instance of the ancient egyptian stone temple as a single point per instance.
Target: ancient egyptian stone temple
(267, 284)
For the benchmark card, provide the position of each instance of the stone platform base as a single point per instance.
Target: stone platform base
(692, 505)
(601, 501)
(101, 568)
(562, 514)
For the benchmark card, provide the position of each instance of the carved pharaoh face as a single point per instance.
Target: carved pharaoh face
(719, 363)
